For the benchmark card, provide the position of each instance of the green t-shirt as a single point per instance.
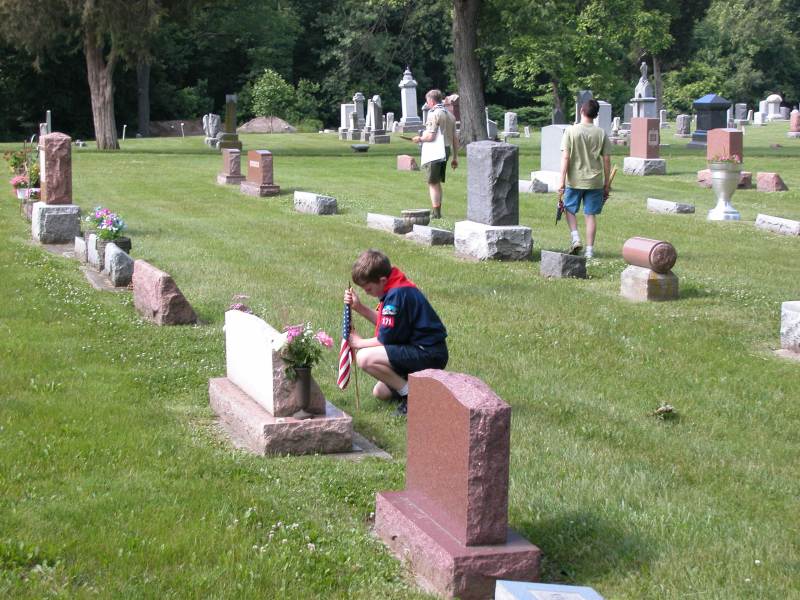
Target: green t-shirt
(586, 145)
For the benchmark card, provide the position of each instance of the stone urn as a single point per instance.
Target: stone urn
(724, 180)
(303, 382)
(417, 216)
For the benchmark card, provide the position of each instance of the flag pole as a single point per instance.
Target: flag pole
(354, 366)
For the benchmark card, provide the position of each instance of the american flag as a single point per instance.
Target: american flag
(345, 352)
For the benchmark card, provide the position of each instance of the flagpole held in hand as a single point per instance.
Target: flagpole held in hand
(353, 358)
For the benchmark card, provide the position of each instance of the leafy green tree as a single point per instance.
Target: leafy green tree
(271, 96)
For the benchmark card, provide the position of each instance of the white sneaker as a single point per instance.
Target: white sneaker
(589, 253)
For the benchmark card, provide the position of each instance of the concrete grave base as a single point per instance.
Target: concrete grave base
(430, 236)
(492, 242)
(633, 165)
(388, 223)
(790, 326)
(317, 204)
(254, 189)
(55, 223)
(560, 265)
(778, 225)
(640, 284)
(665, 206)
(442, 564)
(252, 426)
(551, 179)
(224, 179)
(379, 138)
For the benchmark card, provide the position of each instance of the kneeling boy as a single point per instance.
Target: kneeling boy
(409, 336)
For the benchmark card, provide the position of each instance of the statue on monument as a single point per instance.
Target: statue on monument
(644, 89)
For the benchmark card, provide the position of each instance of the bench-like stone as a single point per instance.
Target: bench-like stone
(388, 223)
(668, 207)
(770, 182)
(80, 248)
(560, 265)
(55, 223)
(118, 265)
(317, 204)
(492, 242)
(634, 165)
(778, 225)
(790, 326)
(157, 297)
(640, 284)
(430, 236)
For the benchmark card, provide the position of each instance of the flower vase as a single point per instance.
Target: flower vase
(303, 383)
(22, 193)
(724, 181)
(123, 243)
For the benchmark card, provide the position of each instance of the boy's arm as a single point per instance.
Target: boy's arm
(564, 168)
(357, 342)
(351, 298)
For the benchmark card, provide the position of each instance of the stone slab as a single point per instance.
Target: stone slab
(442, 564)
(157, 297)
(778, 225)
(262, 433)
(316, 204)
(388, 223)
(55, 223)
(118, 265)
(640, 284)
(528, 186)
(770, 182)
(253, 363)
(790, 326)
(492, 242)
(430, 236)
(80, 248)
(545, 181)
(560, 265)
(225, 179)
(259, 190)
(668, 207)
(493, 183)
(633, 165)
(524, 590)
(96, 251)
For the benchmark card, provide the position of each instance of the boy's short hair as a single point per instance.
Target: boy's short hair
(590, 108)
(435, 95)
(370, 266)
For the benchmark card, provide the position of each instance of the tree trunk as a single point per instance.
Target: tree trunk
(556, 96)
(468, 70)
(101, 86)
(143, 96)
(657, 82)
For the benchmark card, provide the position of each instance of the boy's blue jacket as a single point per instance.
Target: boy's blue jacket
(405, 316)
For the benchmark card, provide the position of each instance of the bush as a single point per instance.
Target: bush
(272, 96)
(194, 101)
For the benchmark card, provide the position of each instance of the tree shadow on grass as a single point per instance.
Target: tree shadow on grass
(578, 546)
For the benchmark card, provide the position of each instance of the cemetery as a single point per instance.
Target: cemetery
(181, 414)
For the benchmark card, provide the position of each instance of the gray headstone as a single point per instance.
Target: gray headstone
(558, 117)
(388, 223)
(778, 225)
(665, 206)
(57, 223)
(785, 112)
(118, 266)
(309, 202)
(510, 122)
(790, 326)
(604, 118)
(627, 113)
(430, 236)
(492, 183)
(740, 111)
(582, 96)
(684, 124)
(550, 159)
(559, 265)
(80, 248)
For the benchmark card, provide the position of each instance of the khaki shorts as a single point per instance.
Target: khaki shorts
(435, 172)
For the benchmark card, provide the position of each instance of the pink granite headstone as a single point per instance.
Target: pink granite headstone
(157, 297)
(406, 162)
(724, 143)
(56, 168)
(451, 521)
(770, 182)
(231, 167)
(259, 175)
(645, 137)
(794, 121)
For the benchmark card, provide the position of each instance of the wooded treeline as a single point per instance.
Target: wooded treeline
(533, 55)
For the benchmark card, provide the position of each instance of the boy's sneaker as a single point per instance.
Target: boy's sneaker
(589, 254)
(575, 247)
(402, 408)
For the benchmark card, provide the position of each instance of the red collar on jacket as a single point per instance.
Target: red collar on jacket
(397, 279)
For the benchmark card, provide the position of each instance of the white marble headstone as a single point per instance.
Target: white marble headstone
(249, 343)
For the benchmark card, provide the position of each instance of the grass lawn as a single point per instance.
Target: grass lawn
(114, 481)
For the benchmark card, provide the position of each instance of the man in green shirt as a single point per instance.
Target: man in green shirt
(585, 169)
